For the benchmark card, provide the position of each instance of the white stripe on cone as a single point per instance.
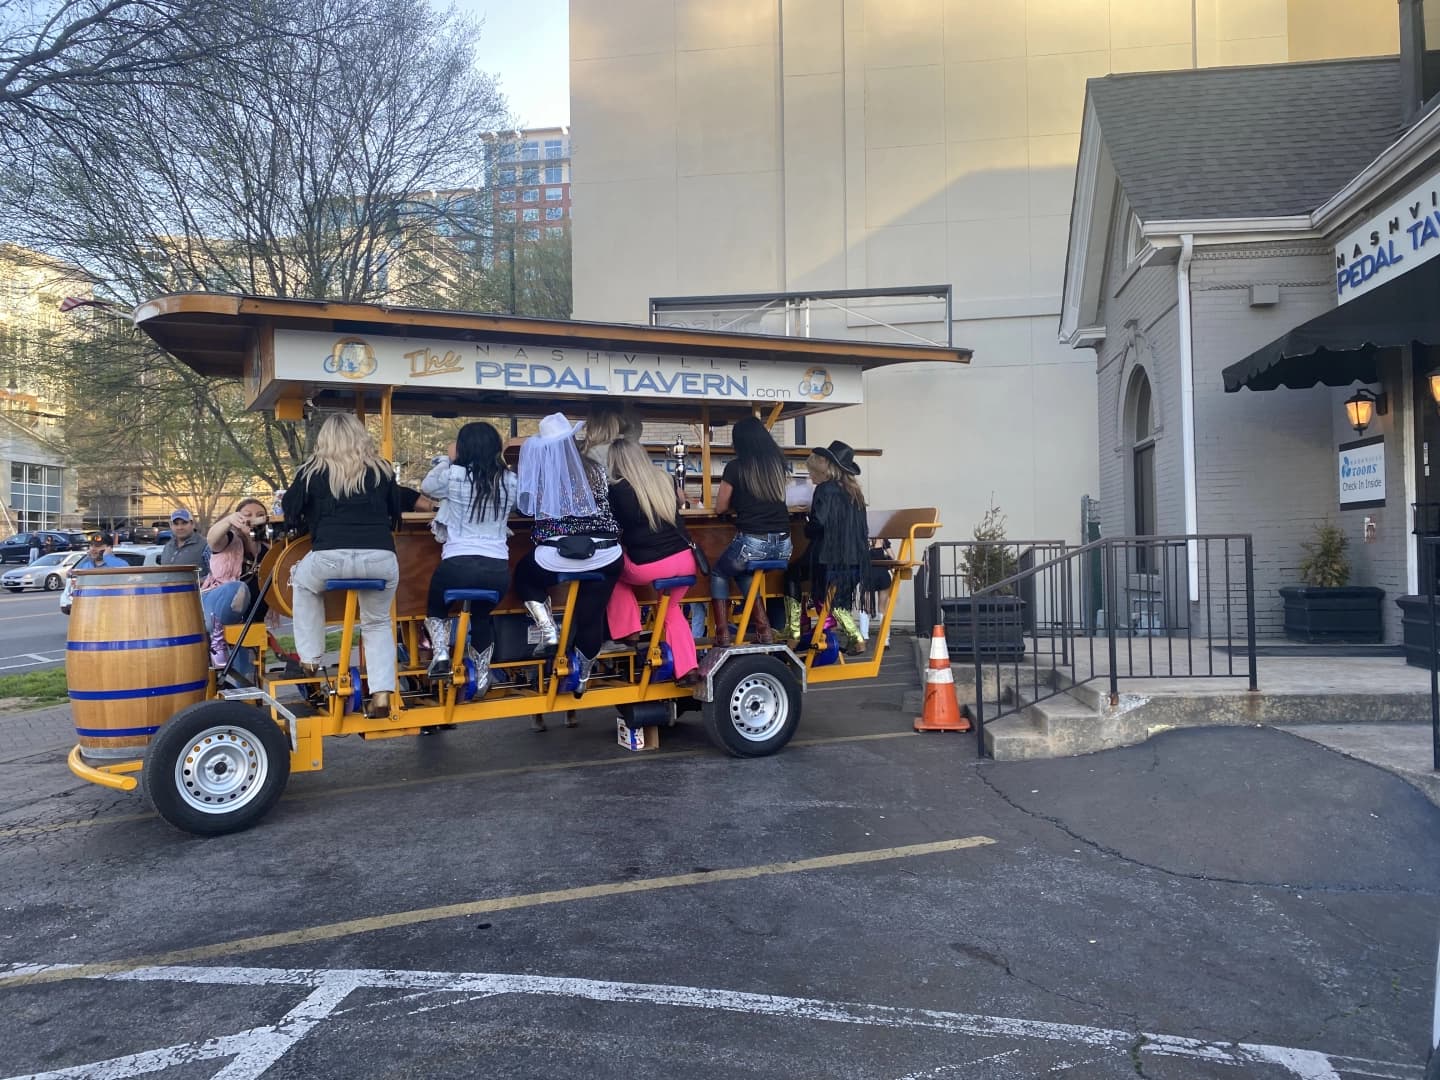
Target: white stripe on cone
(939, 675)
(938, 651)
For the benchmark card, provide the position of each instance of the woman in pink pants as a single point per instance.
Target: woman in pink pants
(642, 499)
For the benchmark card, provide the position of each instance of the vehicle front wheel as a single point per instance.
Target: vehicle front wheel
(54, 583)
(755, 707)
(13, 588)
(216, 767)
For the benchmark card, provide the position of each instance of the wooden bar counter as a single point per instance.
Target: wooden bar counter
(419, 555)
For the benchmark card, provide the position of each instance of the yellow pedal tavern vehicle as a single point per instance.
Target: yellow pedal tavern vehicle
(214, 755)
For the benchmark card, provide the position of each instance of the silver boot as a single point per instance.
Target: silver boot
(481, 660)
(439, 631)
(549, 636)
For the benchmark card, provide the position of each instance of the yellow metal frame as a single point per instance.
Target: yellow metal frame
(507, 702)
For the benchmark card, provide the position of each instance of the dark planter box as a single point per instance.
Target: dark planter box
(1415, 630)
(999, 631)
(1349, 614)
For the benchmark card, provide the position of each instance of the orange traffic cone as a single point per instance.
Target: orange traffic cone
(942, 712)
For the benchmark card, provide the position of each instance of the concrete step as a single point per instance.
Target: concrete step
(1016, 738)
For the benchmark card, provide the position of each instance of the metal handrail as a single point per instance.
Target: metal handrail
(1160, 605)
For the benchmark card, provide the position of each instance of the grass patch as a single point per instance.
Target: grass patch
(287, 641)
(33, 690)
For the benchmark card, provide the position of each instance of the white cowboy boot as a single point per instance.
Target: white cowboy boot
(549, 636)
(481, 660)
(439, 631)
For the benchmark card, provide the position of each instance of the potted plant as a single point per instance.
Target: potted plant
(991, 625)
(1326, 608)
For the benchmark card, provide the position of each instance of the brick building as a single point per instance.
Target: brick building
(1212, 269)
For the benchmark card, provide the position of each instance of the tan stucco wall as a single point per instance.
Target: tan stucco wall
(866, 143)
(1325, 29)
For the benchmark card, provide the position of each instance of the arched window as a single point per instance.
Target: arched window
(1142, 464)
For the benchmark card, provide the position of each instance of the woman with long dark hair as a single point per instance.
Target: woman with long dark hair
(838, 558)
(753, 488)
(346, 497)
(476, 493)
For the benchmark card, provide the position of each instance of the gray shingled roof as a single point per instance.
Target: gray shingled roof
(1248, 141)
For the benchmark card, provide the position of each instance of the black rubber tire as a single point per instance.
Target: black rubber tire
(54, 583)
(173, 740)
(779, 682)
(13, 588)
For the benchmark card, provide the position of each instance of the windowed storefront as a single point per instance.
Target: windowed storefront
(35, 495)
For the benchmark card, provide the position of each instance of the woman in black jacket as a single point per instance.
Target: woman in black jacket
(839, 554)
(642, 497)
(345, 496)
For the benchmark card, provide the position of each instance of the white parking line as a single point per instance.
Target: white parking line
(30, 660)
(256, 1049)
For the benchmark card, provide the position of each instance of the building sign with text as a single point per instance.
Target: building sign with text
(1361, 466)
(1396, 240)
(307, 356)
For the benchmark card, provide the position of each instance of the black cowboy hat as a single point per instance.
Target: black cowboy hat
(840, 455)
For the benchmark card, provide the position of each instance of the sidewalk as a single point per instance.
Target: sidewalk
(26, 734)
(1403, 749)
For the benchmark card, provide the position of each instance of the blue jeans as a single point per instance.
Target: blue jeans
(219, 607)
(744, 549)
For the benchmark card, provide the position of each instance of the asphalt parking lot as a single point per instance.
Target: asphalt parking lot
(869, 903)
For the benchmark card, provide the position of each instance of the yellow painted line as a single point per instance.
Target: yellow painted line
(420, 781)
(351, 927)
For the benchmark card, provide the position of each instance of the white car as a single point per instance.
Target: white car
(134, 554)
(49, 572)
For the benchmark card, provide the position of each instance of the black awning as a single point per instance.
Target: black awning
(1338, 348)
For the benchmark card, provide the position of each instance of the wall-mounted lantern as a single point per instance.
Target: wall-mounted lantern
(1364, 406)
(1434, 378)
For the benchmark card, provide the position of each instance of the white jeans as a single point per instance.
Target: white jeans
(307, 589)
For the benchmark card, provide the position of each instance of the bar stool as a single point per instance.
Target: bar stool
(757, 568)
(659, 664)
(347, 682)
(475, 668)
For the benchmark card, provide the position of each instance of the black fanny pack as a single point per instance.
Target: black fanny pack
(578, 547)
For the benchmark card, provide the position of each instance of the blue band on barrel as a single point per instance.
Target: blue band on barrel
(137, 643)
(147, 590)
(115, 732)
(139, 692)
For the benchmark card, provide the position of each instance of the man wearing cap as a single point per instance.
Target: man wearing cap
(185, 547)
(98, 555)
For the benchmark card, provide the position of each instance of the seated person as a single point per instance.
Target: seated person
(228, 591)
(476, 493)
(416, 502)
(97, 554)
(643, 501)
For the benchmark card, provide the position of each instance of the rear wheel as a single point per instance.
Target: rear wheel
(755, 707)
(216, 767)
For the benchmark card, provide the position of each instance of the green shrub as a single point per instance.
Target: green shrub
(1325, 565)
(990, 559)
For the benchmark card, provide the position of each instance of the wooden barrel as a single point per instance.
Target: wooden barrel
(137, 654)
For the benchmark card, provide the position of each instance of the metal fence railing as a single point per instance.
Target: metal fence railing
(1137, 607)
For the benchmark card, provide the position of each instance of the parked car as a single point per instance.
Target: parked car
(143, 534)
(49, 572)
(134, 554)
(17, 548)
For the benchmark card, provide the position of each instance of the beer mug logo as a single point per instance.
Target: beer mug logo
(352, 358)
(816, 384)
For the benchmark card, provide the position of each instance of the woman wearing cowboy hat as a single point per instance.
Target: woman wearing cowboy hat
(839, 554)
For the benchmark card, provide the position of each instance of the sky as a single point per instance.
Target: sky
(526, 45)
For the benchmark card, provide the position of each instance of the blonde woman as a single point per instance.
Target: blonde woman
(346, 497)
(642, 497)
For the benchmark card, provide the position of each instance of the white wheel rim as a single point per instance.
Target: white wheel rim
(223, 768)
(759, 707)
